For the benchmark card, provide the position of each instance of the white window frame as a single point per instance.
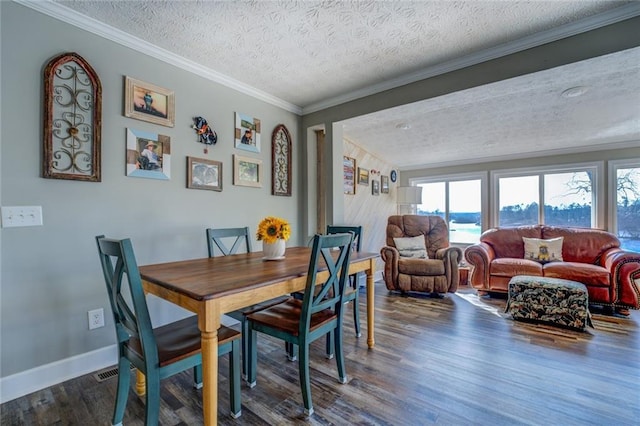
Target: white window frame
(598, 202)
(484, 195)
(613, 166)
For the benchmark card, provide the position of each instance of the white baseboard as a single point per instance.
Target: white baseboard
(26, 382)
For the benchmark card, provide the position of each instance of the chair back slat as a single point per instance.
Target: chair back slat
(129, 321)
(342, 229)
(334, 250)
(217, 238)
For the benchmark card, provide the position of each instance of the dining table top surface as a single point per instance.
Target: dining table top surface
(216, 277)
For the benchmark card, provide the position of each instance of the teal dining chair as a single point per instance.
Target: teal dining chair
(228, 241)
(300, 322)
(351, 294)
(156, 352)
(217, 237)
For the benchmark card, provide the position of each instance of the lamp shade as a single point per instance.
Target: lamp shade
(409, 195)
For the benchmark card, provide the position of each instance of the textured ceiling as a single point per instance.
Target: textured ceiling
(513, 118)
(308, 53)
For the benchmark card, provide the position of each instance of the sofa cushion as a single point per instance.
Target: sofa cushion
(590, 275)
(509, 267)
(425, 267)
(583, 245)
(543, 251)
(507, 242)
(411, 247)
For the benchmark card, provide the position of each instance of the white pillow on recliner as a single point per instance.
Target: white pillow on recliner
(411, 247)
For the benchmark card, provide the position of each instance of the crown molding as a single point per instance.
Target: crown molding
(520, 156)
(108, 32)
(613, 16)
(94, 26)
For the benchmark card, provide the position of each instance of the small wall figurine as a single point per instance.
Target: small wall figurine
(207, 135)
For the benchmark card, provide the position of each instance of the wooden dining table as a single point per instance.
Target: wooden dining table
(213, 286)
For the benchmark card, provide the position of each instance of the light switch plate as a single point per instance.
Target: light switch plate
(21, 216)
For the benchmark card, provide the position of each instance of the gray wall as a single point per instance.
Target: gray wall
(50, 274)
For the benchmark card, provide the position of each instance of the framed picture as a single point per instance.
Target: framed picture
(363, 176)
(148, 102)
(72, 120)
(204, 174)
(148, 155)
(384, 184)
(247, 133)
(375, 187)
(281, 161)
(247, 171)
(349, 175)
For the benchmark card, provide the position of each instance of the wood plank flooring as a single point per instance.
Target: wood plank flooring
(452, 361)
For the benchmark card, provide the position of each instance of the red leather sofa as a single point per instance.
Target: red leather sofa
(590, 256)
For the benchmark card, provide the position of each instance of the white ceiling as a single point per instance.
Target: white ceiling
(305, 55)
(514, 118)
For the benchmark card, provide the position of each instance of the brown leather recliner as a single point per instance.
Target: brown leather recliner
(436, 274)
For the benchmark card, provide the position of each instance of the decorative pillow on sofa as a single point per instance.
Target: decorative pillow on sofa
(411, 247)
(543, 251)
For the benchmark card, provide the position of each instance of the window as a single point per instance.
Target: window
(559, 197)
(568, 199)
(434, 199)
(458, 200)
(625, 188)
(518, 200)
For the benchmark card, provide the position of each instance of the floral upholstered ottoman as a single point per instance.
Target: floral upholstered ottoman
(549, 300)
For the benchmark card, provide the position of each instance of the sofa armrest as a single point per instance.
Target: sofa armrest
(624, 267)
(390, 273)
(451, 256)
(479, 256)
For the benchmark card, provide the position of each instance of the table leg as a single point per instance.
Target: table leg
(141, 383)
(370, 308)
(209, 324)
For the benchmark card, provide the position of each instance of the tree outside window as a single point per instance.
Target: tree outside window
(628, 207)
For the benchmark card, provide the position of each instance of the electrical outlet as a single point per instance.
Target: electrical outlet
(96, 318)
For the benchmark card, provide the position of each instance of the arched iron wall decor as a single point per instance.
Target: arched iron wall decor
(281, 161)
(72, 119)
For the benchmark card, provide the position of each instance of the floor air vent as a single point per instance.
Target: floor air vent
(108, 373)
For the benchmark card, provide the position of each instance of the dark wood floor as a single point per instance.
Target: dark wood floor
(454, 361)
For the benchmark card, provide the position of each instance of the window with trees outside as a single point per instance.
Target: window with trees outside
(459, 202)
(552, 197)
(625, 176)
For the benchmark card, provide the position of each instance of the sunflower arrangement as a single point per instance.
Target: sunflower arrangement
(273, 228)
